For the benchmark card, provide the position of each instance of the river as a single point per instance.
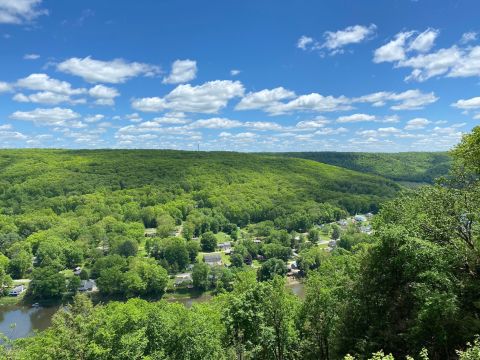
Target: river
(18, 321)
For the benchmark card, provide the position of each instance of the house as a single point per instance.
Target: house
(366, 229)
(17, 290)
(87, 286)
(360, 218)
(183, 279)
(77, 270)
(213, 259)
(226, 246)
(150, 232)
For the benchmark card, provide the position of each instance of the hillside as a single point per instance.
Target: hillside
(417, 167)
(243, 186)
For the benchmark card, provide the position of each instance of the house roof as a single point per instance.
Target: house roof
(214, 257)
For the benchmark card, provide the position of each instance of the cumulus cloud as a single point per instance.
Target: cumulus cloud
(182, 71)
(104, 95)
(417, 54)
(31, 56)
(417, 124)
(304, 42)
(209, 97)
(468, 37)
(393, 50)
(20, 11)
(350, 35)
(468, 104)
(407, 100)
(424, 41)
(4, 87)
(114, 72)
(335, 41)
(264, 99)
(94, 118)
(50, 117)
(42, 82)
(46, 97)
(318, 122)
(215, 123)
(355, 118)
(270, 101)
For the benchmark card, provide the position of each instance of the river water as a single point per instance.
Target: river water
(18, 321)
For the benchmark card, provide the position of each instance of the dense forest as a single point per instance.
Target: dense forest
(409, 289)
(415, 167)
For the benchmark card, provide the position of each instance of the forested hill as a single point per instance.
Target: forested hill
(243, 187)
(418, 167)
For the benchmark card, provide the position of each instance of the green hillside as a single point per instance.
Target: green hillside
(244, 187)
(418, 167)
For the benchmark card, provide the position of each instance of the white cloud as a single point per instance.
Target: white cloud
(355, 118)
(46, 97)
(215, 123)
(94, 118)
(312, 124)
(50, 117)
(304, 42)
(269, 100)
(468, 37)
(263, 125)
(42, 82)
(350, 35)
(104, 95)
(31, 56)
(335, 41)
(20, 11)
(412, 100)
(311, 102)
(424, 41)
(393, 50)
(209, 97)
(417, 124)
(115, 71)
(455, 61)
(407, 100)
(468, 104)
(264, 99)
(182, 71)
(167, 120)
(4, 87)
(331, 131)
(235, 72)
(426, 66)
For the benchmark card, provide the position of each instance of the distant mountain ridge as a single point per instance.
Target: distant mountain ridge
(417, 167)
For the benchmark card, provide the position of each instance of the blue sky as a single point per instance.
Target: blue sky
(244, 75)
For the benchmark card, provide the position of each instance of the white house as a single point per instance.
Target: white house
(214, 259)
(17, 290)
(87, 286)
(183, 279)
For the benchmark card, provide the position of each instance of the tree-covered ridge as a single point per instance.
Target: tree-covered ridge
(243, 185)
(418, 167)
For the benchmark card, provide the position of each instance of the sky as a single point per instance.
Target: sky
(239, 75)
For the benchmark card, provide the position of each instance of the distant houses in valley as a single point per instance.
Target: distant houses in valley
(226, 247)
(213, 259)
